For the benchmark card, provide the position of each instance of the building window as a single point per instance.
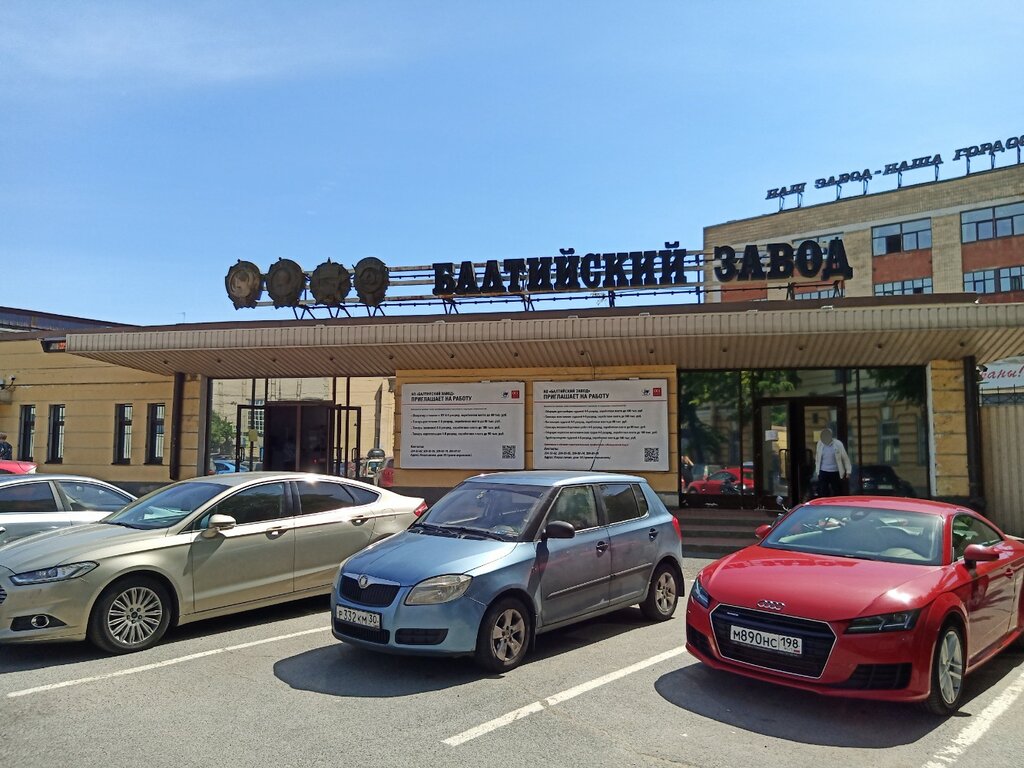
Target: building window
(994, 280)
(123, 434)
(905, 236)
(55, 445)
(904, 287)
(256, 415)
(888, 438)
(155, 433)
(824, 293)
(982, 281)
(27, 433)
(988, 223)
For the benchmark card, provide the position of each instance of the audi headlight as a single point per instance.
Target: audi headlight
(439, 589)
(698, 594)
(885, 622)
(56, 573)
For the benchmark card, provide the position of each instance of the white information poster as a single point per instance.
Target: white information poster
(463, 426)
(601, 425)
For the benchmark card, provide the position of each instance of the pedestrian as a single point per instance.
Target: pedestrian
(6, 451)
(831, 464)
(687, 471)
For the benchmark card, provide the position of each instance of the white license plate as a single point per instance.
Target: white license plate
(767, 640)
(362, 618)
(886, 487)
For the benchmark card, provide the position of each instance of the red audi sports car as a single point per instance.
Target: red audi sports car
(863, 596)
(16, 467)
(724, 481)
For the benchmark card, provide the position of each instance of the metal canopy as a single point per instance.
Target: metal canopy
(839, 333)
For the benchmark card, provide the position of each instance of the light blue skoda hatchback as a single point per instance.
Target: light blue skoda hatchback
(506, 556)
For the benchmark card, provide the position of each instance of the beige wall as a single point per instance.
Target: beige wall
(89, 390)
(947, 428)
(667, 482)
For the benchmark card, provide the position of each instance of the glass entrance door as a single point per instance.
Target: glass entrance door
(305, 437)
(787, 432)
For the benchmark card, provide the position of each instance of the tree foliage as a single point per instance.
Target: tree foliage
(723, 391)
(222, 434)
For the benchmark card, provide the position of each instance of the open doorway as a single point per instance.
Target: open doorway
(786, 432)
(299, 436)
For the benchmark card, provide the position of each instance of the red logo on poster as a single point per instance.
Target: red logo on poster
(515, 394)
(657, 391)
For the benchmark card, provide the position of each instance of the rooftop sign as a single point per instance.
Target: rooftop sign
(898, 168)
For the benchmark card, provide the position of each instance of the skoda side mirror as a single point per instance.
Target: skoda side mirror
(762, 530)
(559, 529)
(975, 553)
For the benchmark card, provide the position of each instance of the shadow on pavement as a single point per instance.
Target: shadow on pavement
(31, 656)
(338, 669)
(808, 718)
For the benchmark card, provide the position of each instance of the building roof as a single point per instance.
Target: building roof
(866, 332)
(14, 319)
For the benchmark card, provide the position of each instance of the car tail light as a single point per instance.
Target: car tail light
(675, 524)
(420, 509)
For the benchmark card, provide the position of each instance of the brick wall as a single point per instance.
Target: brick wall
(986, 254)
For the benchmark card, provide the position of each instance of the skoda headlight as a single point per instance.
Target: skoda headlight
(56, 573)
(439, 589)
(886, 622)
(698, 594)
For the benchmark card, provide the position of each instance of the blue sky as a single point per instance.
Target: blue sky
(144, 148)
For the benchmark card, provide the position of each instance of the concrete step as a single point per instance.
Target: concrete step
(744, 534)
(728, 522)
(712, 547)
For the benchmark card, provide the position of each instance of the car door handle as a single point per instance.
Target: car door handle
(653, 533)
(1008, 573)
(602, 547)
(274, 533)
(359, 520)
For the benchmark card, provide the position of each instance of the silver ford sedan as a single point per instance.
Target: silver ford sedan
(192, 550)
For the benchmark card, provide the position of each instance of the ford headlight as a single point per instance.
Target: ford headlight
(56, 573)
(439, 589)
(698, 594)
(886, 622)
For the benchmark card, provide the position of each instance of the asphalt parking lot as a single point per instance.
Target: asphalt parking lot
(273, 688)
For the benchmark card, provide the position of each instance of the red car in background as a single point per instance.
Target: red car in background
(725, 481)
(869, 597)
(17, 467)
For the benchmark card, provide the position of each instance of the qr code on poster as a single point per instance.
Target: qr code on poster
(651, 455)
(508, 451)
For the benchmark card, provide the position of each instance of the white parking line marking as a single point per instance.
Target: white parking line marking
(978, 726)
(558, 698)
(159, 664)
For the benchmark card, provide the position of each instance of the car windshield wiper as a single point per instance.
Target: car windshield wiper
(437, 530)
(466, 530)
(123, 525)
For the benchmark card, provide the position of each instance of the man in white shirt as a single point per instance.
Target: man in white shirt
(831, 464)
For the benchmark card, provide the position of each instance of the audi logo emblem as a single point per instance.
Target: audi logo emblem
(771, 605)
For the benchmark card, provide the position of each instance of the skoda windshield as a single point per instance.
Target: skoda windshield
(485, 510)
(166, 507)
(863, 533)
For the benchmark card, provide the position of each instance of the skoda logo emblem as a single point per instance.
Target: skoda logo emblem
(768, 605)
(364, 581)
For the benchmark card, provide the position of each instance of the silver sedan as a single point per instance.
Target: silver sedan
(33, 503)
(192, 550)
